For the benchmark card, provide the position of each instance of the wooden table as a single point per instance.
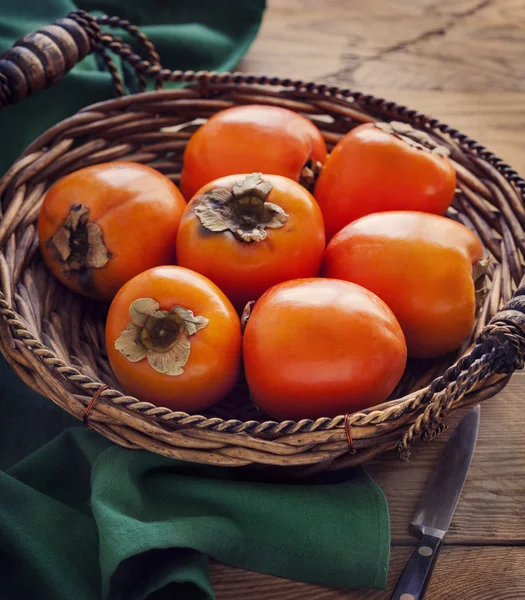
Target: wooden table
(464, 62)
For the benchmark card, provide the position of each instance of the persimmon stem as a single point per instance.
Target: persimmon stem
(479, 270)
(242, 209)
(79, 244)
(246, 313)
(413, 137)
(161, 334)
(310, 172)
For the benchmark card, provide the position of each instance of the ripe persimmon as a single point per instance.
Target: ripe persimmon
(174, 339)
(249, 138)
(321, 348)
(247, 233)
(102, 225)
(380, 167)
(421, 265)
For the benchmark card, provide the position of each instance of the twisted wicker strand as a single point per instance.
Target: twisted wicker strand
(151, 53)
(5, 91)
(436, 410)
(92, 28)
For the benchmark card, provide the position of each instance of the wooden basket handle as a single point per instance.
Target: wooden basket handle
(40, 59)
(500, 349)
(507, 328)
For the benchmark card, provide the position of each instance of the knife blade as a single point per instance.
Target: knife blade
(437, 506)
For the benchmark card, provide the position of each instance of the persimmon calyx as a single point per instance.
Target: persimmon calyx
(242, 209)
(479, 270)
(160, 336)
(310, 172)
(246, 314)
(79, 244)
(413, 137)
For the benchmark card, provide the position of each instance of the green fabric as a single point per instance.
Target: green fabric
(82, 518)
(188, 34)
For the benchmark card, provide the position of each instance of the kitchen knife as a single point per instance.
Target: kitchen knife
(436, 507)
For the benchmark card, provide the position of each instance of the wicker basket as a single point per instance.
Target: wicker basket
(54, 339)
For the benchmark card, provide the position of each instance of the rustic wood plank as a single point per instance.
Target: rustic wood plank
(395, 44)
(480, 577)
(492, 507)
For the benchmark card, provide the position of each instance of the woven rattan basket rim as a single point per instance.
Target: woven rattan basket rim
(392, 410)
(481, 371)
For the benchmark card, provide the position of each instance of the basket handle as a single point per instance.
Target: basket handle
(40, 59)
(500, 349)
(507, 330)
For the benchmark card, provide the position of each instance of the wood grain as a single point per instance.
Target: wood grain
(492, 507)
(463, 62)
(397, 44)
(486, 573)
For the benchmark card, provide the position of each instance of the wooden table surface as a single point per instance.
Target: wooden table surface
(462, 61)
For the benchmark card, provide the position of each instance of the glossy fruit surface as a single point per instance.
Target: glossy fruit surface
(174, 339)
(102, 225)
(249, 138)
(321, 347)
(247, 233)
(421, 266)
(372, 170)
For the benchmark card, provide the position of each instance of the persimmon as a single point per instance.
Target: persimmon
(247, 233)
(321, 347)
(174, 339)
(421, 265)
(102, 225)
(382, 167)
(249, 138)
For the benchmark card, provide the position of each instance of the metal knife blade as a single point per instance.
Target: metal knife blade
(436, 508)
(440, 498)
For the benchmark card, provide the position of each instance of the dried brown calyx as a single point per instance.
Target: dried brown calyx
(479, 271)
(413, 137)
(160, 336)
(242, 209)
(79, 244)
(310, 172)
(246, 314)
(481, 268)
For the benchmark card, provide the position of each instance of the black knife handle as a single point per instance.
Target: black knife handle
(416, 575)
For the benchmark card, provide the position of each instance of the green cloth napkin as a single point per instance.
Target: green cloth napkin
(188, 34)
(82, 518)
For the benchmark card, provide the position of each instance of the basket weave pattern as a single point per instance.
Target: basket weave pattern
(54, 339)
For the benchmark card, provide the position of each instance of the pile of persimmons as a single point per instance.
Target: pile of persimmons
(319, 295)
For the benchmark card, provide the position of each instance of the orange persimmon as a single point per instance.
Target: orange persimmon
(102, 225)
(421, 265)
(249, 138)
(321, 348)
(380, 167)
(247, 233)
(174, 339)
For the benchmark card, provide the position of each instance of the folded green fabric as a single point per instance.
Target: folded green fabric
(82, 518)
(188, 34)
